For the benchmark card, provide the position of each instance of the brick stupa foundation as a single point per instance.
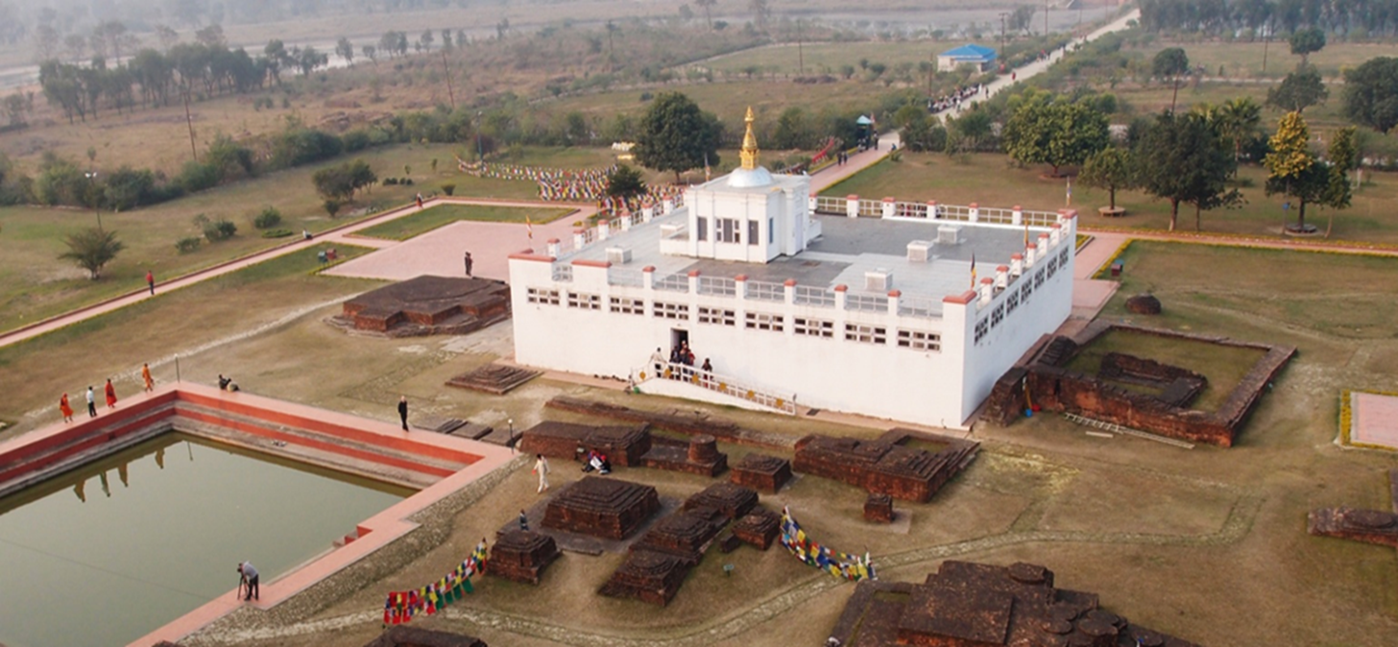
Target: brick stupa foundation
(601, 507)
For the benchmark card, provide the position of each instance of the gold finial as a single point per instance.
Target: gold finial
(749, 152)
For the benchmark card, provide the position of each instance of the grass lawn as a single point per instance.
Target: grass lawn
(1224, 366)
(434, 217)
(991, 179)
(827, 58)
(1242, 59)
(116, 343)
(35, 284)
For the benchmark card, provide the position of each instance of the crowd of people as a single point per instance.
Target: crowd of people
(680, 364)
(953, 99)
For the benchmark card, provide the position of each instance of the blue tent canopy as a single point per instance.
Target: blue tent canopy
(971, 53)
(864, 121)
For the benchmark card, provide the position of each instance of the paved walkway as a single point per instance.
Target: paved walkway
(1375, 420)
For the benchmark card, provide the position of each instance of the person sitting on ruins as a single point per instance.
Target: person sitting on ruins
(603, 465)
(223, 382)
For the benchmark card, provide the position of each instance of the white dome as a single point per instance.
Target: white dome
(749, 178)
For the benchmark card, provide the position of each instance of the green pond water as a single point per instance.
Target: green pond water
(107, 553)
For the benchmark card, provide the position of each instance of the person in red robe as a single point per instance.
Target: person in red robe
(111, 394)
(66, 408)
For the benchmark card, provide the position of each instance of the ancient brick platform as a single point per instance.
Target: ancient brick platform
(878, 508)
(679, 421)
(495, 379)
(623, 445)
(965, 604)
(730, 500)
(758, 528)
(601, 507)
(886, 465)
(698, 456)
(521, 555)
(1052, 387)
(685, 534)
(427, 305)
(762, 472)
(405, 636)
(1370, 526)
(649, 576)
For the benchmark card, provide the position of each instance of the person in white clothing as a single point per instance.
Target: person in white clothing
(541, 467)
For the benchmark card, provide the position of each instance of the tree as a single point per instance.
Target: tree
(309, 59)
(340, 182)
(1179, 159)
(1305, 41)
(761, 11)
(345, 49)
(426, 39)
(1238, 120)
(1293, 169)
(1110, 168)
(1170, 63)
(370, 53)
(1371, 94)
(1057, 133)
(793, 130)
(625, 183)
(1344, 158)
(676, 136)
(1018, 19)
(1299, 90)
(91, 249)
(707, 5)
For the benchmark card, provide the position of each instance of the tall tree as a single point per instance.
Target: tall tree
(1057, 133)
(707, 5)
(1371, 94)
(1112, 169)
(1238, 120)
(1179, 159)
(761, 11)
(625, 182)
(91, 249)
(345, 49)
(1299, 90)
(676, 136)
(1170, 63)
(1305, 41)
(1344, 158)
(1293, 170)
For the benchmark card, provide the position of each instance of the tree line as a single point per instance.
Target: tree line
(1371, 18)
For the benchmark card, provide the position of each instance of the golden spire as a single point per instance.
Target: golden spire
(749, 152)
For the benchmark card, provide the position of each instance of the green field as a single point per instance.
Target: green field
(1223, 366)
(827, 58)
(991, 180)
(444, 214)
(1242, 59)
(35, 284)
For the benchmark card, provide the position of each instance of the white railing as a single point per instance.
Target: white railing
(866, 302)
(717, 285)
(562, 272)
(811, 296)
(918, 306)
(765, 291)
(673, 283)
(626, 276)
(835, 205)
(719, 383)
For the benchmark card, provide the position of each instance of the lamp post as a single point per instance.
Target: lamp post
(480, 153)
(92, 195)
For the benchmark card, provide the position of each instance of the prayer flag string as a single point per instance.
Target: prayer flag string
(401, 606)
(845, 565)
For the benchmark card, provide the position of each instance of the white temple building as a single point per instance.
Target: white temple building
(911, 315)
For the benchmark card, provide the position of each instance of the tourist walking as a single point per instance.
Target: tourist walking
(541, 467)
(657, 360)
(111, 394)
(403, 410)
(66, 408)
(150, 282)
(249, 581)
(468, 262)
(419, 200)
(91, 403)
(145, 376)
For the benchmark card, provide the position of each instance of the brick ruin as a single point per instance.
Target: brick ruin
(625, 446)
(495, 379)
(886, 465)
(1369, 526)
(601, 507)
(1052, 387)
(878, 508)
(427, 305)
(405, 636)
(762, 472)
(658, 563)
(689, 423)
(521, 555)
(966, 604)
(758, 528)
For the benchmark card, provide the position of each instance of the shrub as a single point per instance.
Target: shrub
(188, 244)
(268, 219)
(273, 233)
(198, 176)
(448, 188)
(390, 181)
(221, 229)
